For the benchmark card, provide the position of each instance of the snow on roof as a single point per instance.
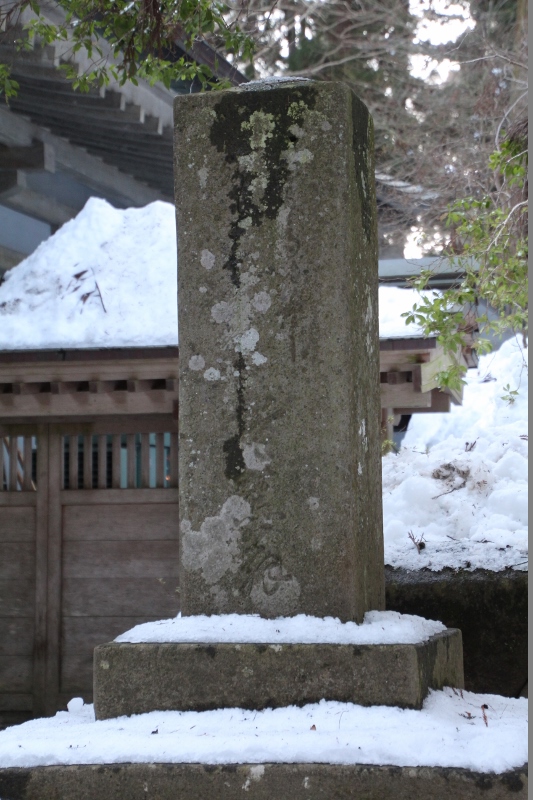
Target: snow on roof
(108, 278)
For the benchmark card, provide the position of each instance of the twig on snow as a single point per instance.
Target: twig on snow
(455, 489)
(418, 543)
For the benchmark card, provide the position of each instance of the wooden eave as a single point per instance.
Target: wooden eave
(409, 368)
(68, 385)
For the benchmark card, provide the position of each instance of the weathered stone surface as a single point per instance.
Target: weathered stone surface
(137, 678)
(258, 782)
(280, 472)
(490, 609)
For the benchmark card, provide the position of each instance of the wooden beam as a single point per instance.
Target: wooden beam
(403, 396)
(119, 497)
(440, 403)
(18, 499)
(412, 343)
(425, 375)
(85, 404)
(395, 378)
(82, 426)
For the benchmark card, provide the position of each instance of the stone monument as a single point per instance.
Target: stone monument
(280, 468)
(280, 474)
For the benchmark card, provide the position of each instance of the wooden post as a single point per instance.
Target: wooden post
(145, 460)
(115, 461)
(13, 462)
(160, 460)
(53, 621)
(132, 474)
(387, 416)
(102, 461)
(87, 462)
(41, 572)
(73, 462)
(27, 485)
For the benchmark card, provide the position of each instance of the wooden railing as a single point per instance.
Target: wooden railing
(16, 463)
(120, 461)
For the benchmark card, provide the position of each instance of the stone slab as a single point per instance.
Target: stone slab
(490, 609)
(138, 678)
(279, 408)
(259, 782)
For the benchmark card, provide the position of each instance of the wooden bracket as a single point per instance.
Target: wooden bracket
(395, 378)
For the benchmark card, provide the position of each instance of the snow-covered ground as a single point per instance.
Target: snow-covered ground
(108, 278)
(379, 627)
(460, 479)
(485, 733)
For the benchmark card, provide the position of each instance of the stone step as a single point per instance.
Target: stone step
(259, 782)
(143, 677)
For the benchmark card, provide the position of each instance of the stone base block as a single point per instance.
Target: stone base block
(138, 678)
(259, 782)
(495, 654)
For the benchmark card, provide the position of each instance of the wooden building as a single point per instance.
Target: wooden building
(409, 369)
(88, 513)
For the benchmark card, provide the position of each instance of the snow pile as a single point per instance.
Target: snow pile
(106, 279)
(450, 731)
(379, 627)
(460, 479)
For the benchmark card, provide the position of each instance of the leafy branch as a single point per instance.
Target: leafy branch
(129, 41)
(490, 240)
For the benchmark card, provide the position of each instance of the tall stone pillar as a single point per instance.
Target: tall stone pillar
(280, 469)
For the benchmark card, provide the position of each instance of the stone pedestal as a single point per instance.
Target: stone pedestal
(137, 678)
(280, 471)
